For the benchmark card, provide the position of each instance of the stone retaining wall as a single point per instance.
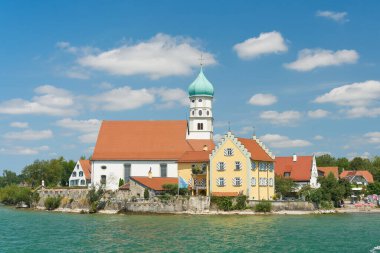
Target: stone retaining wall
(287, 205)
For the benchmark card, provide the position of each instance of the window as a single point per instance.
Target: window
(221, 166)
(237, 165)
(200, 126)
(204, 167)
(199, 100)
(77, 166)
(81, 173)
(236, 181)
(127, 172)
(228, 152)
(262, 166)
(200, 112)
(253, 166)
(263, 181)
(193, 113)
(208, 113)
(286, 174)
(253, 181)
(193, 101)
(103, 167)
(103, 179)
(74, 174)
(82, 182)
(271, 167)
(270, 181)
(164, 169)
(220, 181)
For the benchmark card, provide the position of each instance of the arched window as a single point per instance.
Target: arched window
(199, 100)
(200, 112)
(81, 173)
(208, 113)
(193, 112)
(193, 101)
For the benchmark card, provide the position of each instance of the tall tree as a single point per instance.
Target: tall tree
(9, 178)
(325, 160)
(283, 185)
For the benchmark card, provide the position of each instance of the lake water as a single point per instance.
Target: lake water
(39, 231)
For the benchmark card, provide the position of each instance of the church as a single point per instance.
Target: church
(163, 150)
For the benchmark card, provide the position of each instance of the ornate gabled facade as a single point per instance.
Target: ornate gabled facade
(240, 166)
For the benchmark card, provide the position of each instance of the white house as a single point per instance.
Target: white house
(127, 149)
(81, 175)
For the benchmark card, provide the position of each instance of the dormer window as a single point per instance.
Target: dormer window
(228, 152)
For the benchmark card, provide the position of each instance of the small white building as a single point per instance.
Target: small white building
(81, 175)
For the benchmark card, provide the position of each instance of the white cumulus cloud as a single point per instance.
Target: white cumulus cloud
(161, 56)
(280, 141)
(89, 128)
(372, 137)
(282, 118)
(48, 101)
(309, 59)
(19, 124)
(29, 135)
(317, 114)
(23, 150)
(262, 99)
(358, 99)
(332, 15)
(265, 43)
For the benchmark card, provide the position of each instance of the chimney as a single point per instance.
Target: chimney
(294, 158)
(150, 173)
(205, 148)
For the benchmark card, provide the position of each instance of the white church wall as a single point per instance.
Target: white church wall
(114, 170)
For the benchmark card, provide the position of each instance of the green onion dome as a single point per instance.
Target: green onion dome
(201, 86)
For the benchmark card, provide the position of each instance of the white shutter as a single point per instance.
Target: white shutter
(218, 166)
(225, 152)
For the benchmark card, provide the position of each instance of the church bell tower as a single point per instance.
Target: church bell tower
(201, 93)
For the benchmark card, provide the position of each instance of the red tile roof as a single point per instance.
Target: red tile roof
(145, 140)
(195, 156)
(299, 170)
(155, 183)
(326, 171)
(225, 194)
(257, 152)
(86, 166)
(364, 173)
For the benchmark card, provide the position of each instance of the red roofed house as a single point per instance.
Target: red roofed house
(358, 178)
(301, 169)
(81, 175)
(127, 149)
(325, 171)
(137, 185)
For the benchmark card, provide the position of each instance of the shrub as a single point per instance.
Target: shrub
(13, 195)
(171, 189)
(263, 206)
(224, 203)
(93, 197)
(326, 205)
(146, 193)
(121, 182)
(52, 203)
(184, 191)
(241, 202)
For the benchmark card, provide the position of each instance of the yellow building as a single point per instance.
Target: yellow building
(240, 166)
(193, 168)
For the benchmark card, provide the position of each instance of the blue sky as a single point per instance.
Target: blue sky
(304, 74)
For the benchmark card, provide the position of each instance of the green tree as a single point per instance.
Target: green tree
(146, 193)
(373, 188)
(68, 167)
(342, 164)
(9, 178)
(325, 160)
(283, 186)
(172, 189)
(359, 163)
(331, 189)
